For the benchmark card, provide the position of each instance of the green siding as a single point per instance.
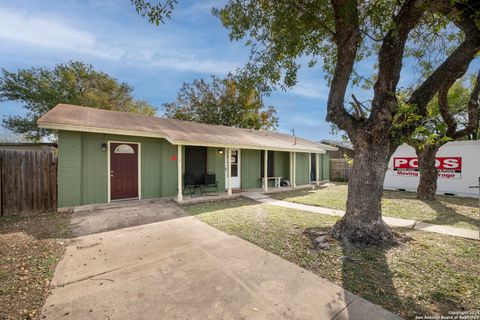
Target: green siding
(168, 170)
(302, 174)
(151, 164)
(250, 169)
(281, 164)
(326, 166)
(83, 176)
(94, 169)
(82, 167)
(69, 168)
(216, 164)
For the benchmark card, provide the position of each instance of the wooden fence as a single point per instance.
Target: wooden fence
(28, 182)
(340, 169)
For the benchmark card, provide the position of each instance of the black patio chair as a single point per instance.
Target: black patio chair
(189, 184)
(210, 185)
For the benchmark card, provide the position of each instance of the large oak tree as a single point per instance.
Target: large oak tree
(340, 33)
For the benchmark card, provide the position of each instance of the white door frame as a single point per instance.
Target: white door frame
(236, 182)
(139, 158)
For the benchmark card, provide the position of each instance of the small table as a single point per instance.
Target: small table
(278, 180)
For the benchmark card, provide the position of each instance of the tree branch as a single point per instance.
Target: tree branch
(453, 68)
(473, 112)
(443, 107)
(390, 57)
(347, 38)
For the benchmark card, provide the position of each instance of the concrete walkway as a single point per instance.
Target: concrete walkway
(394, 222)
(185, 269)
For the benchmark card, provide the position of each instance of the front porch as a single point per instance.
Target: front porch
(232, 170)
(193, 199)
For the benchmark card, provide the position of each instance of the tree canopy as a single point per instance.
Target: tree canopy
(443, 37)
(41, 89)
(222, 102)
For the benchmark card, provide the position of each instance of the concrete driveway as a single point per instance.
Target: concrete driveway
(185, 269)
(91, 219)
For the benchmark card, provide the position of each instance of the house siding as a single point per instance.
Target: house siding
(302, 165)
(216, 164)
(281, 165)
(83, 167)
(250, 169)
(82, 171)
(69, 168)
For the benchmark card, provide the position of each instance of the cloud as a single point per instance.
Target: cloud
(310, 90)
(43, 31)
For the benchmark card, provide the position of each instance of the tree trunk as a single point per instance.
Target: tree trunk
(362, 222)
(427, 186)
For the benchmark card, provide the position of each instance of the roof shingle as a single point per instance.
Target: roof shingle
(78, 118)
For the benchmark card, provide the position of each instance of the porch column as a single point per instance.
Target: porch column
(265, 171)
(229, 171)
(290, 173)
(309, 168)
(317, 169)
(294, 183)
(179, 173)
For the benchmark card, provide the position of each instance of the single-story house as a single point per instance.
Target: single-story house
(107, 155)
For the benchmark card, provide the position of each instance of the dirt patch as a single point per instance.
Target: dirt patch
(30, 251)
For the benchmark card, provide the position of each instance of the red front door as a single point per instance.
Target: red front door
(123, 170)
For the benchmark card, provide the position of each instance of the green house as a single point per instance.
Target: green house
(105, 156)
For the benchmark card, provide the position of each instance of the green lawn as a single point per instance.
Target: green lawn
(429, 274)
(447, 210)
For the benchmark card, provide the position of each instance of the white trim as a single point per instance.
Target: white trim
(310, 168)
(317, 169)
(294, 169)
(265, 170)
(229, 171)
(65, 127)
(179, 173)
(245, 146)
(139, 165)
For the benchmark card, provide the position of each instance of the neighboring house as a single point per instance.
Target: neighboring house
(343, 148)
(27, 146)
(106, 155)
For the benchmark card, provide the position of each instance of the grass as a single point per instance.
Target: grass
(29, 254)
(445, 210)
(430, 274)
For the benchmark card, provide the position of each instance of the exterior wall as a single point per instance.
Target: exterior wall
(82, 168)
(302, 165)
(325, 165)
(281, 165)
(250, 169)
(69, 168)
(216, 164)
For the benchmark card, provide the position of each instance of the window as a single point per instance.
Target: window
(269, 163)
(124, 148)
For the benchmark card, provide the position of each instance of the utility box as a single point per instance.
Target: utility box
(458, 165)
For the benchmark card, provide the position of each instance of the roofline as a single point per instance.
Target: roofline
(336, 145)
(67, 127)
